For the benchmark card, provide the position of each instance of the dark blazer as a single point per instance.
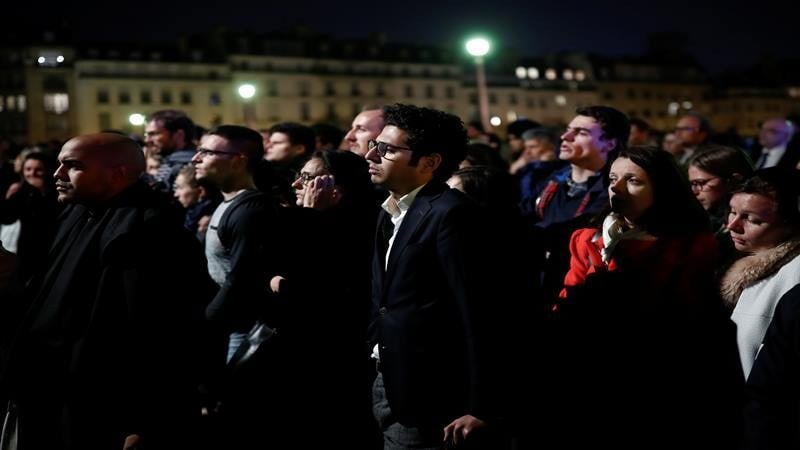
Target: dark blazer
(428, 311)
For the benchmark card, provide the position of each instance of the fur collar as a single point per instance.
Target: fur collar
(751, 269)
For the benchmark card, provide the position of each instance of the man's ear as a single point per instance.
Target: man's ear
(180, 137)
(611, 144)
(431, 162)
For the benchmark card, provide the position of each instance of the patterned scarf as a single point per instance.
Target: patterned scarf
(615, 229)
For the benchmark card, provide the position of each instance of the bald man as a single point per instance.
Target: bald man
(107, 357)
(366, 125)
(774, 137)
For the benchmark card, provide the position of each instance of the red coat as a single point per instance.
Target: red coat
(682, 264)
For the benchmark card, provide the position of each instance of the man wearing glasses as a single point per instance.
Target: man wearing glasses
(427, 331)
(692, 131)
(239, 227)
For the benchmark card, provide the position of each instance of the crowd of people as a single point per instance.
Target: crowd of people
(413, 282)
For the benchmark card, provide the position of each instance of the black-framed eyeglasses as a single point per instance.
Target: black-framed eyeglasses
(203, 152)
(383, 149)
(700, 183)
(305, 178)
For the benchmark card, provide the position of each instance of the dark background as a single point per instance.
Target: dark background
(720, 35)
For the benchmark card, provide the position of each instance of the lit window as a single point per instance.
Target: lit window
(561, 100)
(568, 74)
(22, 103)
(521, 72)
(56, 103)
(533, 73)
(672, 108)
(11, 103)
(687, 105)
(580, 75)
(550, 74)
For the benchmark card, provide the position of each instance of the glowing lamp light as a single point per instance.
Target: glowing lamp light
(247, 91)
(136, 119)
(478, 46)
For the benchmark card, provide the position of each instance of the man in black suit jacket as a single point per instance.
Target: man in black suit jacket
(428, 326)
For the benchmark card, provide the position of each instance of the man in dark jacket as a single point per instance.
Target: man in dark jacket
(429, 326)
(107, 355)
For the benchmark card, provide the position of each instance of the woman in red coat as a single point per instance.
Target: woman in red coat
(639, 325)
(655, 228)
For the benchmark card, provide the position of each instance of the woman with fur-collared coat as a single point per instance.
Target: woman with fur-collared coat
(764, 223)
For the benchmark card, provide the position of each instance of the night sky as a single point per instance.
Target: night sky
(720, 34)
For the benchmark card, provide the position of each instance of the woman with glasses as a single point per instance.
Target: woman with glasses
(713, 175)
(324, 296)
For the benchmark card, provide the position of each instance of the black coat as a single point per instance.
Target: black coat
(112, 341)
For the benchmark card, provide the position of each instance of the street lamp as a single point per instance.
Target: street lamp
(478, 47)
(136, 119)
(247, 91)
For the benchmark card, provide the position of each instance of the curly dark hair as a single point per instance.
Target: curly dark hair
(430, 131)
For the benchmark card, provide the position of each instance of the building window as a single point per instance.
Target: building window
(272, 88)
(305, 112)
(550, 74)
(493, 99)
(561, 100)
(332, 116)
(124, 98)
(512, 99)
(186, 98)
(380, 90)
(145, 97)
(166, 97)
(104, 121)
(214, 99)
(22, 103)
(449, 92)
(56, 103)
(330, 89)
(102, 97)
(430, 91)
(303, 88)
(473, 98)
(409, 90)
(355, 90)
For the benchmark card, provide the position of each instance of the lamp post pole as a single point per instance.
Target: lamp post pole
(478, 48)
(246, 92)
